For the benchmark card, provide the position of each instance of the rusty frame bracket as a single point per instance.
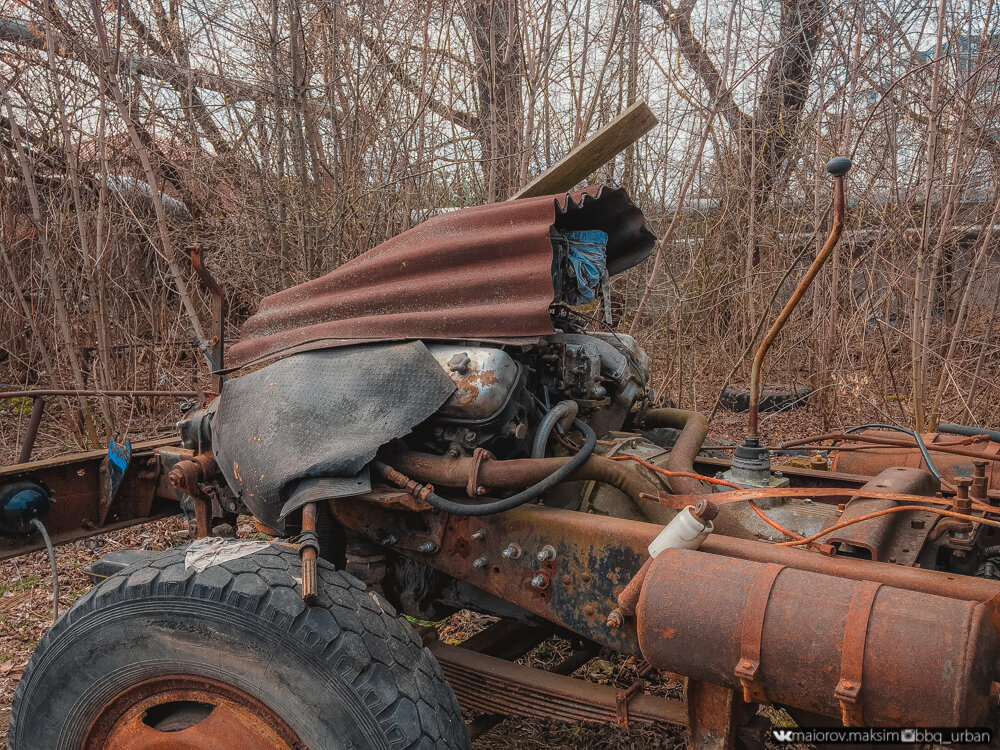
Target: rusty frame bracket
(714, 715)
(753, 633)
(848, 690)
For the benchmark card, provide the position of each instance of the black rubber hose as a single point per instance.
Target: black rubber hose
(912, 433)
(509, 503)
(52, 562)
(555, 415)
(966, 431)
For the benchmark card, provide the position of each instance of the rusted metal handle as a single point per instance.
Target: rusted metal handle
(838, 167)
(307, 553)
(218, 313)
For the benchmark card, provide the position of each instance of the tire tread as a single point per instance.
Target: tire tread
(357, 634)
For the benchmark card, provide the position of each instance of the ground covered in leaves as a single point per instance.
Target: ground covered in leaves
(26, 613)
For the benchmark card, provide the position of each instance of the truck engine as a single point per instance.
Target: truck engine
(452, 421)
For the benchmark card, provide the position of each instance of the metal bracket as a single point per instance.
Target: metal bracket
(753, 631)
(853, 653)
(622, 699)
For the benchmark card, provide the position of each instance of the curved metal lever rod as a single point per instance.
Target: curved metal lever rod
(838, 167)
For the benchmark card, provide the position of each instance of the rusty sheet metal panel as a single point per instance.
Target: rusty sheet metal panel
(480, 273)
(872, 460)
(856, 650)
(897, 537)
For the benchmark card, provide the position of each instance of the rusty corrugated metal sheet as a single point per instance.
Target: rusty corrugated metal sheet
(479, 273)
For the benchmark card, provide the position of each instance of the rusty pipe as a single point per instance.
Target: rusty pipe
(878, 440)
(838, 167)
(694, 430)
(37, 410)
(308, 552)
(451, 471)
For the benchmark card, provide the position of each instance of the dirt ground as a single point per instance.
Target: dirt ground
(26, 613)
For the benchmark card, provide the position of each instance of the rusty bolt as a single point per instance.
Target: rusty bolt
(517, 430)
(480, 535)
(962, 502)
(512, 552)
(540, 581)
(481, 562)
(427, 547)
(705, 511)
(589, 610)
(585, 577)
(615, 619)
(567, 579)
(548, 552)
(459, 363)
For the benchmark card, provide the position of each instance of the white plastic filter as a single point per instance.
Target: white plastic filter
(684, 531)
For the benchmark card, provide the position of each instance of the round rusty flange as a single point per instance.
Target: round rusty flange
(185, 712)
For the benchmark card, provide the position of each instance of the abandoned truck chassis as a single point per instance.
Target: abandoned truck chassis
(529, 475)
(732, 599)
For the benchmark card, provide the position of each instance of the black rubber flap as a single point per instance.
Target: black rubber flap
(320, 414)
(326, 488)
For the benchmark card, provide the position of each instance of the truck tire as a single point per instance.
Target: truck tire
(160, 655)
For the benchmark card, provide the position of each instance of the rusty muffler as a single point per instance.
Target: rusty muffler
(863, 652)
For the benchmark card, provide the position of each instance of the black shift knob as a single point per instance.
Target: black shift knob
(838, 166)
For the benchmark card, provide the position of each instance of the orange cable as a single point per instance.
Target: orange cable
(885, 512)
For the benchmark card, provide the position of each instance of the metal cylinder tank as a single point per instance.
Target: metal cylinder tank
(871, 460)
(866, 653)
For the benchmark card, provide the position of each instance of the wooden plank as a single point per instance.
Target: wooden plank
(593, 153)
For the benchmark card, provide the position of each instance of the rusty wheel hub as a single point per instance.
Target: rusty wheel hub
(183, 712)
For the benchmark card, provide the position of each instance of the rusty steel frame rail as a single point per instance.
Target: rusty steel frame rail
(81, 505)
(571, 568)
(593, 558)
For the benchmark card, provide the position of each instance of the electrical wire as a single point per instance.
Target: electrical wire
(885, 512)
(711, 480)
(797, 538)
(912, 433)
(772, 523)
(52, 561)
